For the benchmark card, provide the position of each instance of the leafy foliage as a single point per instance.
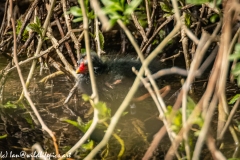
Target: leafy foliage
(101, 38)
(88, 146)
(119, 9)
(188, 20)
(29, 120)
(77, 12)
(103, 111)
(165, 6)
(25, 32)
(236, 56)
(10, 105)
(36, 27)
(234, 99)
(213, 18)
(202, 1)
(81, 126)
(3, 136)
(85, 97)
(177, 119)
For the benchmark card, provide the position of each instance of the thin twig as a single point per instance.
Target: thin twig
(138, 26)
(60, 54)
(93, 83)
(77, 45)
(3, 25)
(233, 111)
(69, 50)
(103, 18)
(39, 46)
(27, 19)
(200, 104)
(157, 139)
(130, 94)
(42, 53)
(26, 94)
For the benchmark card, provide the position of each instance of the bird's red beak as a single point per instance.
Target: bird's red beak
(82, 69)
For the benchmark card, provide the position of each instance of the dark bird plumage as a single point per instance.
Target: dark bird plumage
(113, 77)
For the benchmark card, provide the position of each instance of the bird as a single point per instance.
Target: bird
(114, 77)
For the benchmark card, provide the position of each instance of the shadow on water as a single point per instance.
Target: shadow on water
(21, 127)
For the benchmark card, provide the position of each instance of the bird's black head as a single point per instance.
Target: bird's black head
(83, 64)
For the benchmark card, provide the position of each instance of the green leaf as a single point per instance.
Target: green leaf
(36, 27)
(213, 18)
(236, 70)
(234, 99)
(122, 3)
(112, 22)
(85, 97)
(196, 133)
(83, 50)
(124, 113)
(162, 34)
(92, 35)
(155, 42)
(80, 19)
(25, 32)
(83, 126)
(167, 15)
(135, 3)
(234, 56)
(10, 105)
(132, 6)
(19, 24)
(188, 20)
(237, 48)
(88, 146)
(199, 121)
(29, 119)
(112, 11)
(197, 1)
(190, 103)
(176, 121)
(86, 2)
(143, 22)
(38, 22)
(165, 7)
(107, 2)
(74, 123)
(76, 11)
(91, 15)
(101, 38)
(104, 111)
(116, 9)
(3, 136)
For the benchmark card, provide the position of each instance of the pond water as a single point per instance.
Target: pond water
(23, 129)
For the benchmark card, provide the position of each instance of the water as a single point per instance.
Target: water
(23, 131)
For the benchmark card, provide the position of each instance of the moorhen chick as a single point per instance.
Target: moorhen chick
(113, 77)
